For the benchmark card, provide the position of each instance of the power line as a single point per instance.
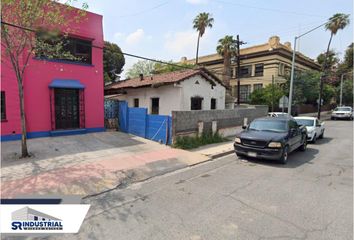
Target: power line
(269, 9)
(124, 53)
(144, 11)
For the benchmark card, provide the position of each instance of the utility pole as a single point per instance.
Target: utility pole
(341, 90)
(292, 77)
(238, 42)
(272, 93)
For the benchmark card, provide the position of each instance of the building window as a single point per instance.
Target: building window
(136, 102)
(281, 69)
(213, 103)
(196, 103)
(234, 91)
(257, 86)
(3, 106)
(79, 49)
(245, 91)
(259, 69)
(155, 106)
(234, 72)
(246, 71)
(287, 70)
(35, 218)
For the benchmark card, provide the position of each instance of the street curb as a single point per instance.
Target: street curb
(218, 155)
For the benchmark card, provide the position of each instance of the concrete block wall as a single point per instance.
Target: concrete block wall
(186, 122)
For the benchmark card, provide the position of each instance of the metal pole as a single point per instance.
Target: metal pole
(292, 77)
(272, 93)
(341, 90)
(238, 69)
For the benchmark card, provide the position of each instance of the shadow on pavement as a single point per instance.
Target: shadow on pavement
(296, 159)
(61, 147)
(322, 141)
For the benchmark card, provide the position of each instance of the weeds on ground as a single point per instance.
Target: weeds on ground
(187, 142)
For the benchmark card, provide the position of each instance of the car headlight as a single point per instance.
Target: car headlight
(274, 145)
(237, 140)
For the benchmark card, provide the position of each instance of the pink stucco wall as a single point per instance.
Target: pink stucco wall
(39, 74)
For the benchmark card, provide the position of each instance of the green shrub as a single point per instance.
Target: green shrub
(187, 142)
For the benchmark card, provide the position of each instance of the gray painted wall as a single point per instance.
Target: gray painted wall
(186, 122)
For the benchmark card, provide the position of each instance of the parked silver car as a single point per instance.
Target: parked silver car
(342, 113)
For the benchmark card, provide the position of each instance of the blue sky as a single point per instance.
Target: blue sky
(162, 29)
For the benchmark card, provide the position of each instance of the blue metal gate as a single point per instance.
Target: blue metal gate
(136, 121)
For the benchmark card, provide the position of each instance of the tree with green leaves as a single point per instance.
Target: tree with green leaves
(332, 59)
(306, 88)
(269, 95)
(19, 40)
(227, 48)
(335, 23)
(332, 63)
(164, 68)
(144, 67)
(347, 95)
(200, 23)
(348, 57)
(113, 61)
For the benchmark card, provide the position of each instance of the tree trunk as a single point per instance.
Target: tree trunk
(196, 57)
(24, 149)
(227, 70)
(324, 70)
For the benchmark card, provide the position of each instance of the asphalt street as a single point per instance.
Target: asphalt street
(309, 198)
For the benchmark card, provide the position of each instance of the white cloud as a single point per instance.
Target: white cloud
(196, 1)
(183, 43)
(118, 35)
(135, 37)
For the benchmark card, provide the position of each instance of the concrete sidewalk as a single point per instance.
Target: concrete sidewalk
(87, 164)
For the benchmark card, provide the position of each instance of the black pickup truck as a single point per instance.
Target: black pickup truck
(271, 138)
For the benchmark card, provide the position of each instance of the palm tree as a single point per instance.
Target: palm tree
(337, 22)
(227, 48)
(200, 23)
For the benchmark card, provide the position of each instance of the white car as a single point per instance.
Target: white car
(277, 114)
(315, 128)
(342, 113)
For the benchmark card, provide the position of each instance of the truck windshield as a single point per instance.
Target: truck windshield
(305, 122)
(345, 109)
(269, 125)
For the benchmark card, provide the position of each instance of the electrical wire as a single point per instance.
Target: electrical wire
(143, 11)
(129, 54)
(126, 54)
(269, 9)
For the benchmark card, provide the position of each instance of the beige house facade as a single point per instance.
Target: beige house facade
(259, 66)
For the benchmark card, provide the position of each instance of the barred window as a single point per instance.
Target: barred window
(257, 86)
(136, 102)
(245, 91)
(259, 69)
(3, 106)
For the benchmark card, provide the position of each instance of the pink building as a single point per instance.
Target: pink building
(61, 97)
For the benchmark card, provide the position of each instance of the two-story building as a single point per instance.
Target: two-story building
(60, 96)
(259, 65)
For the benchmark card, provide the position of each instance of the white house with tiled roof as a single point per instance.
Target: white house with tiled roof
(192, 89)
